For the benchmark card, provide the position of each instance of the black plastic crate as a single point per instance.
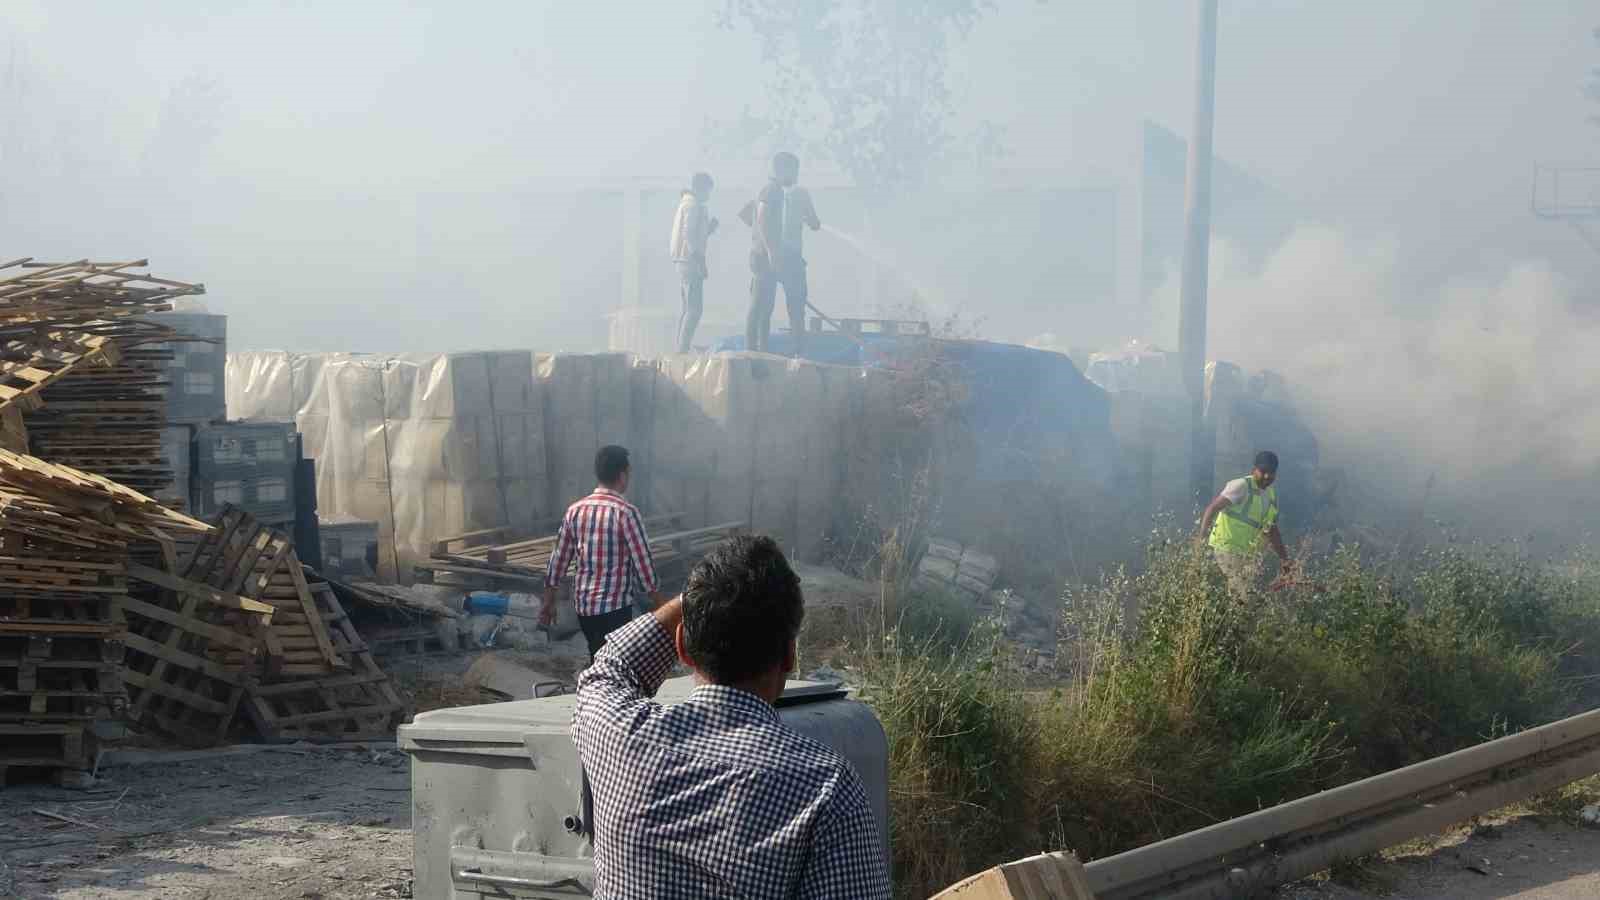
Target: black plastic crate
(241, 449)
(198, 370)
(269, 495)
(348, 547)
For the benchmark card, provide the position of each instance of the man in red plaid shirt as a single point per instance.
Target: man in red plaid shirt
(606, 535)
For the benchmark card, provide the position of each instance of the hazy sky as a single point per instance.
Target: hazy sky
(1406, 119)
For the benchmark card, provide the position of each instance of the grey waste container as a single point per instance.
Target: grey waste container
(495, 787)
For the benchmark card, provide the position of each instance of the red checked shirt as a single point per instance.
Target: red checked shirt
(606, 535)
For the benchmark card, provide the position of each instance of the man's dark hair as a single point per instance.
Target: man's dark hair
(700, 183)
(741, 608)
(784, 161)
(610, 462)
(1267, 461)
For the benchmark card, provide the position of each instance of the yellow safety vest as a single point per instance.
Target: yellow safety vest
(1241, 527)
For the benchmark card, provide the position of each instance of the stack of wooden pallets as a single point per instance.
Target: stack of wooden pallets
(110, 602)
(64, 550)
(108, 419)
(86, 372)
(66, 533)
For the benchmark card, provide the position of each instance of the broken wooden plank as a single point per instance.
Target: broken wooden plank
(187, 623)
(203, 591)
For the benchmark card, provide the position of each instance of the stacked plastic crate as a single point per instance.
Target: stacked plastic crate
(195, 396)
(249, 465)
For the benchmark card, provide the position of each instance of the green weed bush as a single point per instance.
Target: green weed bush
(1176, 705)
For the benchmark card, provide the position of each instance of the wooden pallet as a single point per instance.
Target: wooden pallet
(361, 705)
(66, 485)
(503, 547)
(242, 623)
(27, 676)
(46, 609)
(244, 557)
(80, 289)
(58, 706)
(123, 404)
(28, 521)
(180, 691)
(78, 388)
(68, 745)
(66, 650)
(30, 364)
(174, 682)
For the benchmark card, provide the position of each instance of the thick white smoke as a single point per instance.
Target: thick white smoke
(1485, 383)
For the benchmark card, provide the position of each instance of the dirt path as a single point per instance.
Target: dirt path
(1524, 857)
(303, 823)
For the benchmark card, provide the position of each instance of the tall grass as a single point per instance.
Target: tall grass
(1177, 705)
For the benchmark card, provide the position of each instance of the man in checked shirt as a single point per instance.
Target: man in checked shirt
(606, 534)
(715, 796)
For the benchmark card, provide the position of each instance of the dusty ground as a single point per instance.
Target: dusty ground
(283, 823)
(239, 823)
(1527, 857)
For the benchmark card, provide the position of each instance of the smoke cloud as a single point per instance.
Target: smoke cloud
(1483, 384)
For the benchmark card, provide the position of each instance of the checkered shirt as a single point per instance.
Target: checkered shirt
(714, 796)
(606, 535)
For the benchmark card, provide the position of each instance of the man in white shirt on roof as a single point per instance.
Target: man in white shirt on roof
(692, 227)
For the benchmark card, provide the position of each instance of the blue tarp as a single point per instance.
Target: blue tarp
(1031, 408)
(825, 347)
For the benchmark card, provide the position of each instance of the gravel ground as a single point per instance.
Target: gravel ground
(300, 822)
(281, 823)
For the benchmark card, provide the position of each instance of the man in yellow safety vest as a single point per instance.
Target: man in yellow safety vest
(1245, 513)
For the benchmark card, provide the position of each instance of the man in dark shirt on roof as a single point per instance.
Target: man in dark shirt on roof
(716, 797)
(775, 259)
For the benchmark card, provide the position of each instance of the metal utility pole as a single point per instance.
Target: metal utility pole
(1197, 249)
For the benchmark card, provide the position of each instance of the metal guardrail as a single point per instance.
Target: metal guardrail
(1241, 856)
